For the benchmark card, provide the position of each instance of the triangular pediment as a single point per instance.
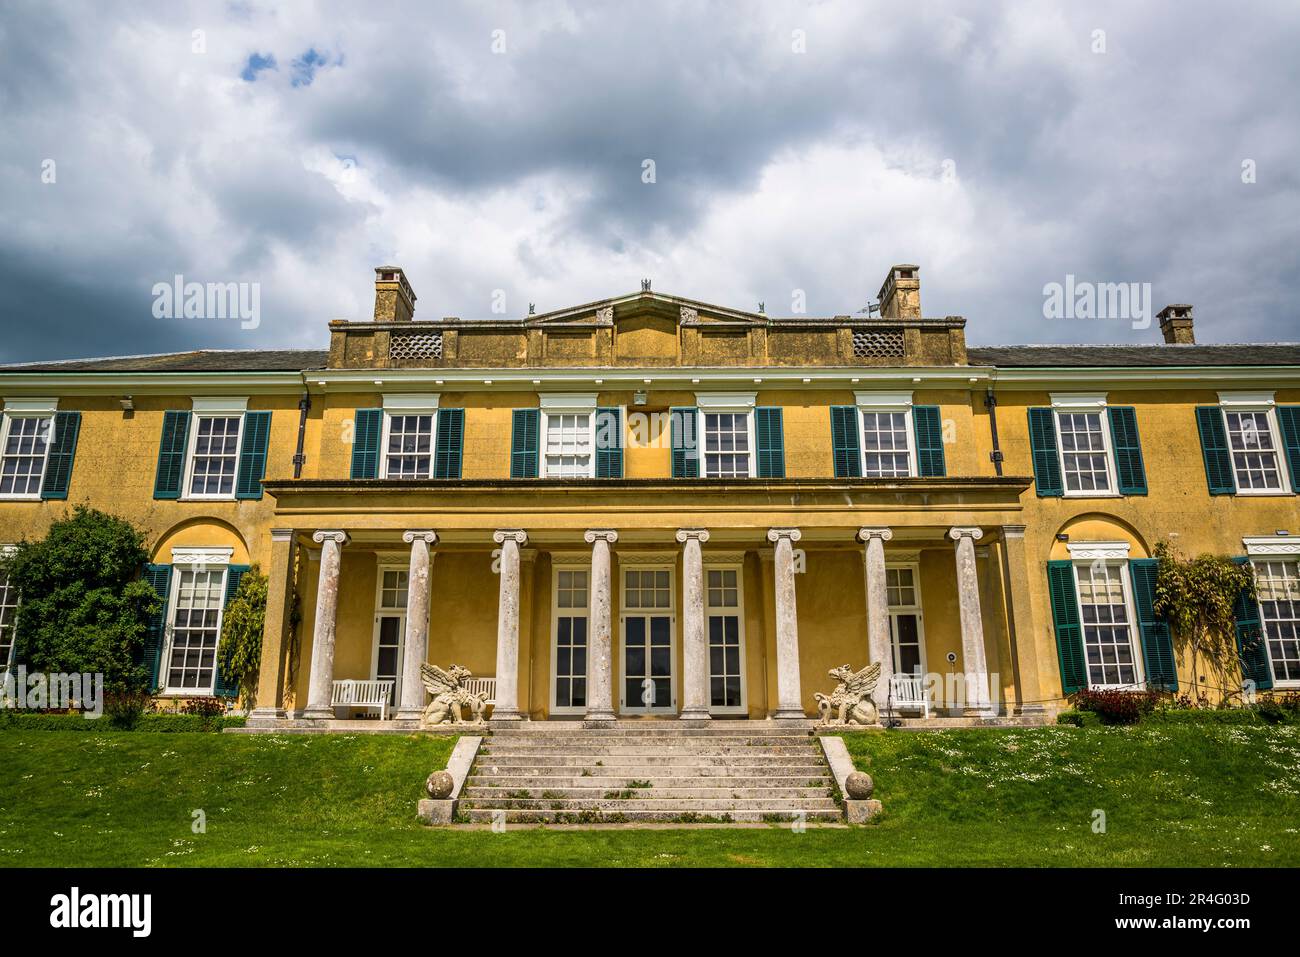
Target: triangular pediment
(639, 307)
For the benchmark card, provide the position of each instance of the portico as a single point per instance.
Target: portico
(601, 613)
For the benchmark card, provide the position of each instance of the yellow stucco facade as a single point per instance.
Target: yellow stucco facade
(645, 355)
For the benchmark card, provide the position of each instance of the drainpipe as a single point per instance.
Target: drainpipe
(991, 403)
(304, 406)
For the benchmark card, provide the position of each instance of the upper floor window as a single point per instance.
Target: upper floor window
(1250, 444)
(886, 423)
(409, 449)
(569, 445)
(726, 435)
(1083, 437)
(214, 456)
(26, 444)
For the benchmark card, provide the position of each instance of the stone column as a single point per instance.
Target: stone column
(789, 697)
(415, 649)
(1024, 652)
(974, 666)
(321, 687)
(695, 637)
(879, 646)
(278, 630)
(600, 630)
(507, 700)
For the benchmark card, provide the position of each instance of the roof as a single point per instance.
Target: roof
(1263, 354)
(207, 360)
(1036, 356)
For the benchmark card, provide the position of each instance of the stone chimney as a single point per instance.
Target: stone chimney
(394, 297)
(1176, 324)
(900, 296)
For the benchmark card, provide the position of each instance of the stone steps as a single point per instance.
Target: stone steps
(723, 771)
(616, 816)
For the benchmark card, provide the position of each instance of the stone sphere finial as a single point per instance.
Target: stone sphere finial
(859, 786)
(440, 785)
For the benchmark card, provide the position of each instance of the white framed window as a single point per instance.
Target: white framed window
(1277, 592)
(194, 628)
(212, 459)
(25, 435)
(724, 611)
(906, 625)
(387, 648)
(725, 434)
(410, 427)
(1109, 625)
(1258, 466)
(647, 627)
(569, 621)
(568, 439)
(885, 440)
(1083, 445)
(8, 611)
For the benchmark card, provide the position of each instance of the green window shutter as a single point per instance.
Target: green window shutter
(366, 434)
(1127, 445)
(1288, 417)
(1214, 449)
(224, 688)
(171, 455)
(770, 438)
(1157, 643)
(525, 425)
(1252, 648)
(1042, 443)
(1065, 619)
(609, 443)
(449, 448)
(63, 448)
(683, 424)
(160, 578)
(929, 441)
(845, 445)
(252, 455)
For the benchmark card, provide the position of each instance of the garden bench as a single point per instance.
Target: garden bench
(357, 693)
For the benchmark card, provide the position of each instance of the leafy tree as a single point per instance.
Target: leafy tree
(1198, 597)
(82, 604)
(240, 651)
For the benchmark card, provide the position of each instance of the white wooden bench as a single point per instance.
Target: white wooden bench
(486, 686)
(356, 693)
(907, 693)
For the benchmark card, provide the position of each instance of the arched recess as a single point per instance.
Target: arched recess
(203, 532)
(1098, 527)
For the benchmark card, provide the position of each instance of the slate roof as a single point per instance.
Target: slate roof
(1080, 356)
(1263, 354)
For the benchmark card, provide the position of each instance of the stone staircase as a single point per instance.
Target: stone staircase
(548, 772)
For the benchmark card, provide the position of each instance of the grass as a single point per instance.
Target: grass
(1172, 795)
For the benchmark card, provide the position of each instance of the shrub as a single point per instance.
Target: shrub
(1279, 709)
(155, 722)
(124, 709)
(84, 607)
(1116, 707)
(206, 708)
(240, 651)
(1079, 719)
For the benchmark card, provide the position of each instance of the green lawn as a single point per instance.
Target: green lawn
(1172, 795)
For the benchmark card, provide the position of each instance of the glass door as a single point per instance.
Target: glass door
(724, 611)
(647, 637)
(569, 641)
(390, 630)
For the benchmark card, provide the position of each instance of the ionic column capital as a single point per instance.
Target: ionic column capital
(593, 535)
(958, 532)
(337, 536)
(700, 535)
(516, 535)
(776, 534)
(868, 532)
(426, 535)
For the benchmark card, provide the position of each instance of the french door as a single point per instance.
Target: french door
(646, 627)
(390, 630)
(569, 640)
(724, 612)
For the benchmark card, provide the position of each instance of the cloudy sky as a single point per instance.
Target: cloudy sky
(485, 147)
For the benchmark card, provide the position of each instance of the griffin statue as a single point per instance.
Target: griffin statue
(850, 702)
(449, 696)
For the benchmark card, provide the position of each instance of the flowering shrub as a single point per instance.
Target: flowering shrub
(206, 708)
(1116, 707)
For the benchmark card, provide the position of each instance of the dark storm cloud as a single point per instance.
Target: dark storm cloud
(503, 147)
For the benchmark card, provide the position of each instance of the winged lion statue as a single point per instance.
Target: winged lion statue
(850, 702)
(449, 696)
